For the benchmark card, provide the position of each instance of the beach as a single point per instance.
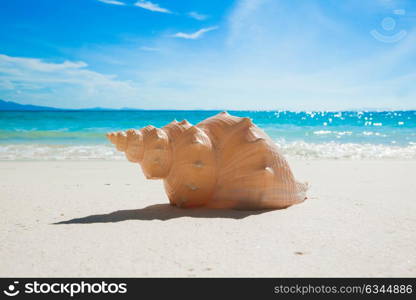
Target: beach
(242, 104)
(104, 219)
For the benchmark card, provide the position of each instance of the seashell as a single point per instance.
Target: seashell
(222, 162)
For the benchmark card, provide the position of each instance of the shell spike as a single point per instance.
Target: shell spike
(185, 122)
(193, 129)
(246, 122)
(174, 122)
(111, 136)
(157, 133)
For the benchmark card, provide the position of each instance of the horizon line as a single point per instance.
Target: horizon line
(42, 108)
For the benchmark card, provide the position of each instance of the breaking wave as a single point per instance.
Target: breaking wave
(298, 150)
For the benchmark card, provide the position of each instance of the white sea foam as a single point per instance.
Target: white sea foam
(59, 152)
(326, 132)
(332, 150)
(299, 149)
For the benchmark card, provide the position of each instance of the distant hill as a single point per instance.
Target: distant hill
(13, 106)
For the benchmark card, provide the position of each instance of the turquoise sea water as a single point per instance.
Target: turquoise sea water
(336, 135)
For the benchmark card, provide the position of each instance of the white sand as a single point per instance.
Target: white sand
(360, 220)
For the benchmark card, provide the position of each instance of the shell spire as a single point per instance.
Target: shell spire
(130, 142)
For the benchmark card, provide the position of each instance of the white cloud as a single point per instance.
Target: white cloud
(35, 64)
(152, 6)
(197, 16)
(195, 35)
(70, 83)
(114, 2)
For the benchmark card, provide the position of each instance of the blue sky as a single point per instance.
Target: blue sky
(217, 54)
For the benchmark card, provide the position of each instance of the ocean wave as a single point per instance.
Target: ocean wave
(298, 150)
(333, 150)
(59, 152)
(325, 132)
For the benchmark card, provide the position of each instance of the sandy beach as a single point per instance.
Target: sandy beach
(102, 218)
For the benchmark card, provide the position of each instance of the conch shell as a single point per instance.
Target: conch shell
(222, 162)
